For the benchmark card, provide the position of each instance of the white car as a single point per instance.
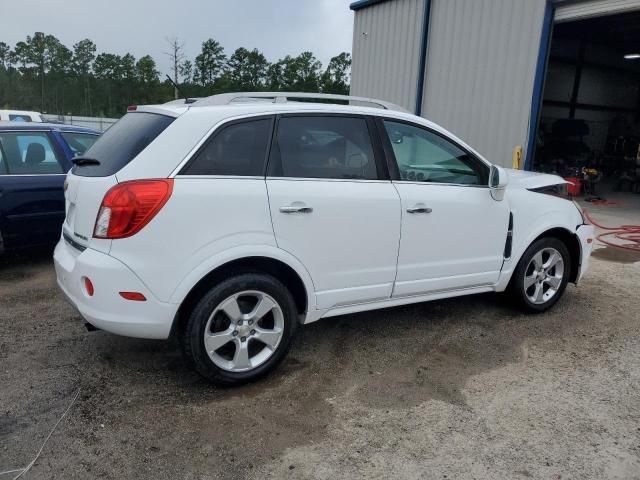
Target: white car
(20, 116)
(229, 221)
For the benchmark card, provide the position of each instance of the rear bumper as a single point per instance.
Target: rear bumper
(106, 309)
(586, 235)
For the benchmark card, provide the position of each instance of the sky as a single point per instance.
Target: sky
(275, 27)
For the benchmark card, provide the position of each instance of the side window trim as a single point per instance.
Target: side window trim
(4, 168)
(389, 156)
(379, 156)
(392, 162)
(59, 153)
(219, 129)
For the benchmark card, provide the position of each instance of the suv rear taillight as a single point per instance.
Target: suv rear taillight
(129, 206)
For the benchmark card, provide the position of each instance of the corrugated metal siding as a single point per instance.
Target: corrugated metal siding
(481, 64)
(594, 8)
(385, 60)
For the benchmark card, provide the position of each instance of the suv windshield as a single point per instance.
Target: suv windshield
(122, 143)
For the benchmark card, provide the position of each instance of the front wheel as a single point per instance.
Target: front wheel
(541, 275)
(241, 329)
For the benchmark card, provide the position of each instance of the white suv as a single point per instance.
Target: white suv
(228, 221)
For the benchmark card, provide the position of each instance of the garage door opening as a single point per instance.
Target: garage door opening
(589, 127)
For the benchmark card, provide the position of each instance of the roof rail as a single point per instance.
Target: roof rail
(283, 97)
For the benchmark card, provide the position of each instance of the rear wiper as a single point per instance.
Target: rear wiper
(85, 161)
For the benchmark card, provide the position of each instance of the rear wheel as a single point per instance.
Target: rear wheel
(241, 329)
(541, 275)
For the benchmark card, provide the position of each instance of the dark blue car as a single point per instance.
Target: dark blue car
(34, 160)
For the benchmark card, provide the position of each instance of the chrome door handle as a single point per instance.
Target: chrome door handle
(419, 208)
(296, 209)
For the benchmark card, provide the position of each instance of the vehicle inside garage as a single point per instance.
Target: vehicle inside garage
(589, 127)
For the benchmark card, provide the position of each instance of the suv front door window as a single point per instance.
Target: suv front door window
(425, 156)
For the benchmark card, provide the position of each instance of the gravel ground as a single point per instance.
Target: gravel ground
(463, 388)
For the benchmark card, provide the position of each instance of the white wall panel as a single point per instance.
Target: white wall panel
(386, 51)
(481, 64)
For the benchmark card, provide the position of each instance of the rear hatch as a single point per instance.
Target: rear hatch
(96, 172)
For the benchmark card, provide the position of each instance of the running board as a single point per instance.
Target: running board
(396, 302)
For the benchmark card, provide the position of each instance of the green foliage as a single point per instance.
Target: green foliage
(210, 63)
(84, 52)
(247, 70)
(42, 74)
(335, 78)
(186, 71)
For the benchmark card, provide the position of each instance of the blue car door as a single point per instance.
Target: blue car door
(32, 174)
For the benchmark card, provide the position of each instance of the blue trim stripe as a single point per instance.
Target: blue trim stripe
(360, 4)
(423, 57)
(538, 84)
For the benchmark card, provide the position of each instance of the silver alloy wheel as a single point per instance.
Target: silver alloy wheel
(543, 276)
(244, 331)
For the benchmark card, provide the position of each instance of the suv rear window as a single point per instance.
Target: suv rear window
(122, 143)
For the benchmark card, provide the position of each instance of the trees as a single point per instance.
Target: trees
(210, 63)
(84, 52)
(247, 69)
(146, 70)
(36, 55)
(5, 56)
(41, 73)
(301, 73)
(186, 71)
(335, 78)
(127, 67)
(107, 66)
(176, 56)
(106, 69)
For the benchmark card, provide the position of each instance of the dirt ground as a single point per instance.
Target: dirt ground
(462, 388)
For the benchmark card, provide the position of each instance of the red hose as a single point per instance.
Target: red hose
(626, 233)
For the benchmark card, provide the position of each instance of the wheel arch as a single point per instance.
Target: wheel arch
(298, 284)
(571, 241)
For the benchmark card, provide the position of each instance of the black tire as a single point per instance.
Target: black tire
(193, 343)
(517, 288)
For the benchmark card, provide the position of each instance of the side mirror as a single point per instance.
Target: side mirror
(498, 180)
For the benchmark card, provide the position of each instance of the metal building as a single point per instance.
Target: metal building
(476, 67)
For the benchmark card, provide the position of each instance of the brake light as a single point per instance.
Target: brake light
(129, 206)
(132, 108)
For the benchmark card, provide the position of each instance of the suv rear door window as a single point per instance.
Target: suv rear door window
(122, 143)
(335, 147)
(238, 149)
